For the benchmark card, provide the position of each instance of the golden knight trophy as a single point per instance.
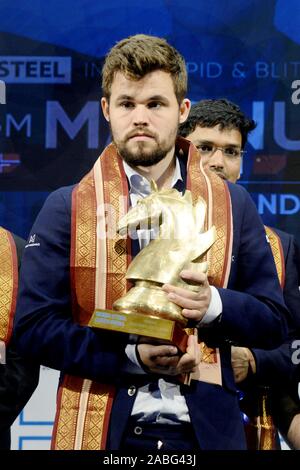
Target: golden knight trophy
(181, 243)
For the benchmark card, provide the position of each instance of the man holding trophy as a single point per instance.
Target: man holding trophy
(143, 339)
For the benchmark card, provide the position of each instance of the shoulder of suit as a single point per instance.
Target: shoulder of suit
(63, 193)
(238, 193)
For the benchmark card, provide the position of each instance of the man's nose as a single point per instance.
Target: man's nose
(217, 159)
(140, 116)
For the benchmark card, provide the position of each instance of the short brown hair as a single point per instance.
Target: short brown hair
(138, 55)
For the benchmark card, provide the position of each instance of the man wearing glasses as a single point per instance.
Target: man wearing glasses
(220, 141)
(219, 129)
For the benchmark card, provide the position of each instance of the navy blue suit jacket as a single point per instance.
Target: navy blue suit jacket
(253, 315)
(275, 366)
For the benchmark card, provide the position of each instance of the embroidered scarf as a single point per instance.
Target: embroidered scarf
(98, 267)
(277, 252)
(8, 284)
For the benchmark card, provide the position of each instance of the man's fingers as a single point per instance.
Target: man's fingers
(161, 350)
(199, 281)
(192, 276)
(182, 292)
(185, 302)
(193, 348)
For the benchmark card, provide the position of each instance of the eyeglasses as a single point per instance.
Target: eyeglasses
(207, 150)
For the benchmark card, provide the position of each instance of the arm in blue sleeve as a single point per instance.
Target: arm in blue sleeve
(254, 313)
(44, 327)
(277, 365)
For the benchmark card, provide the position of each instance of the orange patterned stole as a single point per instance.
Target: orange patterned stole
(277, 252)
(98, 267)
(99, 263)
(8, 284)
(216, 194)
(260, 429)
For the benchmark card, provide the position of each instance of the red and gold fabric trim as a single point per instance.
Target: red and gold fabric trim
(278, 255)
(214, 191)
(99, 262)
(8, 284)
(82, 405)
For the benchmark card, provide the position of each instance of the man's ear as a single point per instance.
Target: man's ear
(184, 109)
(105, 108)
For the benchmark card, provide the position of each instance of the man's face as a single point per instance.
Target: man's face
(144, 116)
(226, 166)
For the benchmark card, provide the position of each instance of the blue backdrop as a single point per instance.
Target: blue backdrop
(52, 129)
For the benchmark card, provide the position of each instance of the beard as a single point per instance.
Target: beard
(142, 155)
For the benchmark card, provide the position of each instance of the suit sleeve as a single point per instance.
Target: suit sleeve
(254, 313)
(277, 365)
(18, 380)
(44, 326)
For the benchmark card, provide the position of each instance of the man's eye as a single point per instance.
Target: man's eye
(154, 104)
(205, 148)
(126, 104)
(231, 152)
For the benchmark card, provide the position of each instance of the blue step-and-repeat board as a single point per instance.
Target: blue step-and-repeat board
(51, 125)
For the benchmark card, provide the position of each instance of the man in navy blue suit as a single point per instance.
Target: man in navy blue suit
(18, 376)
(119, 392)
(216, 127)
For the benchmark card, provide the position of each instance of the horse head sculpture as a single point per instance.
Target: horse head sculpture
(180, 242)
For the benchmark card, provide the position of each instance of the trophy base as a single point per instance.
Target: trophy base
(142, 325)
(148, 299)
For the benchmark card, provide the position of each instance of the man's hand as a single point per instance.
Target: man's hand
(167, 360)
(241, 360)
(194, 304)
(293, 436)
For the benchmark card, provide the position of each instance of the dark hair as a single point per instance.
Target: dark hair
(222, 112)
(138, 55)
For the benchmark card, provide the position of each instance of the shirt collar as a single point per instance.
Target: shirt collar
(138, 184)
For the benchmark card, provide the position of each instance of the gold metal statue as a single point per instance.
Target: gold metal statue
(180, 244)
